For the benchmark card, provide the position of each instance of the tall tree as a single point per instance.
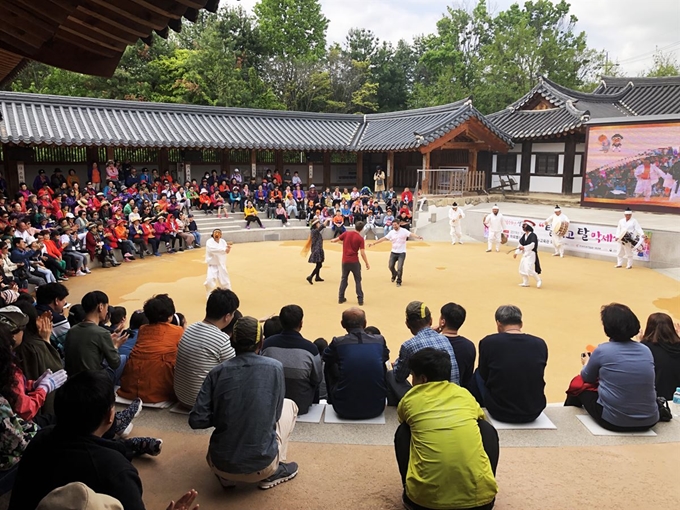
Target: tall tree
(293, 28)
(665, 64)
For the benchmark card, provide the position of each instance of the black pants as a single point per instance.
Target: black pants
(588, 399)
(317, 270)
(142, 246)
(398, 260)
(395, 390)
(355, 269)
(154, 244)
(250, 218)
(402, 449)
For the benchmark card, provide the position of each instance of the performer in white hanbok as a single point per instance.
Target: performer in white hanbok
(495, 222)
(529, 265)
(647, 174)
(216, 250)
(455, 217)
(559, 227)
(631, 238)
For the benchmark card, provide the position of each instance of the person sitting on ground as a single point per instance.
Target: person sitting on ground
(620, 374)
(300, 358)
(250, 215)
(252, 425)
(204, 346)
(355, 369)
(35, 355)
(451, 319)
(338, 226)
(87, 344)
(509, 380)
(406, 199)
(52, 298)
(419, 323)
(76, 450)
(447, 453)
(150, 370)
(663, 340)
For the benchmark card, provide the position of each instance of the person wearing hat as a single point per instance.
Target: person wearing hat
(631, 238)
(150, 235)
(40, 181)
(510, 376)
(398, 237)
(216, 250)
(312, 194)
(446, 451)
(315, 245)
(495, 223)
(419, 323)
(559, 227)
(236, 176)
(455, 217)
(529, 265)
(253, 425)
(205, 202)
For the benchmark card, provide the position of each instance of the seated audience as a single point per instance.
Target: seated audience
(204, 346)
(322, 345)
(419, 323)
(355, 369)
(620, 374)
(509, 378)
(663, 340)
(150, 369)
(272, 326)
(52, 298)
(450, 321)
(252, 425)
(299, 357)
(447, 453)
(76, 451)
(88, 344)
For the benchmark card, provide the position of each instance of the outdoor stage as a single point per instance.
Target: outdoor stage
(266, 276)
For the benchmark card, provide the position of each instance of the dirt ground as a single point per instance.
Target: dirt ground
(266, 276)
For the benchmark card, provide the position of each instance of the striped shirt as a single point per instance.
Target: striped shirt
(202, 347)
(426, 337)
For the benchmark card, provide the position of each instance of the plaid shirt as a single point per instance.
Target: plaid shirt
(426, 337)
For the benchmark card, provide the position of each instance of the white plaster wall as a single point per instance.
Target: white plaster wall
(545, 184)
(576, 186)
(547, 147)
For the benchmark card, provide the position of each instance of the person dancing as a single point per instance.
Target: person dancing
(315, 243)
(398, 237)
(529, 264)
(216, 250)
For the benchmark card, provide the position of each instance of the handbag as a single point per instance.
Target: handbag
(665, 413)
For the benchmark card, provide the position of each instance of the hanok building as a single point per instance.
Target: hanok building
(548, 126)
(44, 132)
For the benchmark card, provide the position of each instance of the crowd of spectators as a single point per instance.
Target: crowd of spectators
(58, 374)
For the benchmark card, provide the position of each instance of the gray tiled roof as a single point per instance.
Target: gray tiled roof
(57, 120)
(614, 97)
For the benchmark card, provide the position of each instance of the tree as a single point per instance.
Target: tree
(665, 64)
(361, 44)
(293, 28)
(352, 89)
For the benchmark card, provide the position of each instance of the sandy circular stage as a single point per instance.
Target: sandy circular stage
(266, 276)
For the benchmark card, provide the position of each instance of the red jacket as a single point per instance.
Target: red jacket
(29, 399)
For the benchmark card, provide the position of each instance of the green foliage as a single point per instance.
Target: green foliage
(665, 64)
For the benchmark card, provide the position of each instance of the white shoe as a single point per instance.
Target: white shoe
(561, 255)
(629, 267)
(453, 242)
(539, 283)
(497, 250)
(488, 250)
(460, 242)
(80, 273)
(617, 266)
(555, 254)
(523, 284)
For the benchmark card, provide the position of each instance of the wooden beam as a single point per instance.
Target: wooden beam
(164, 163)
(93, 25)
(525, 175)
(480, 146)
(224, 163)
(568, 170)
(166, 8)
(89, 43)
(127, 10)
(132, 28)
(444, 139)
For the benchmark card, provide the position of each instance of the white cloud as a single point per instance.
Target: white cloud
(626, 29)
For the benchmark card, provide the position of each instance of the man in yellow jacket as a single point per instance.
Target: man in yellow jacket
(447, 454)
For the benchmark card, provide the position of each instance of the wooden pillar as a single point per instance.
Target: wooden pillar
(225, 161)
(10, 169)
(568, 171)
(253, 163)
(92, 155)
(109, 157)
(389, 172)
(360, 169)
(525, 176)
(326, 169)
(164, 163)
(278, 161)
(425, 184)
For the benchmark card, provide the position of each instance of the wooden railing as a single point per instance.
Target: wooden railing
(455, 181)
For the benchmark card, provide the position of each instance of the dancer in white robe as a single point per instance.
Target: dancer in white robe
(495, 222)
(631, 238)
(455, 217)
(529, 265)
(559, 226)
(216, 250)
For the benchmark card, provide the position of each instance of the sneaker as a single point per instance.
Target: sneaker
(247, 227)
(286, 471)
(555, 254)
(523, 284)
(341, 300)
(629, 267)
(124, 418)
(398, 284)
(80, 273)
(145, 445)
(617, 266)
(87, 270)
(317, 279)
(156, 254)
(361, 302)
(488, 251)
(393, 278)
(539, 283)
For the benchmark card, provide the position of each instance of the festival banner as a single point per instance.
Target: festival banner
(582, 237)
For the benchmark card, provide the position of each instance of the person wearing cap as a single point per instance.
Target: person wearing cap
(631, 238)
(509, 380)
(40, 180)
(253, 425)
(216, 251)
(559, 226)
(352, 247)
(455, 217)
(355, 369)
(205, 202)
(312, 194)
(446, 451)
(529, 265)
(495, 223)
(419, 323)
(315, 245)
(398, 237)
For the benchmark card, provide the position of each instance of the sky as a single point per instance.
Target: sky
(630, 30)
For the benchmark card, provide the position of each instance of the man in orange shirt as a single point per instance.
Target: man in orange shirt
(352, 245)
